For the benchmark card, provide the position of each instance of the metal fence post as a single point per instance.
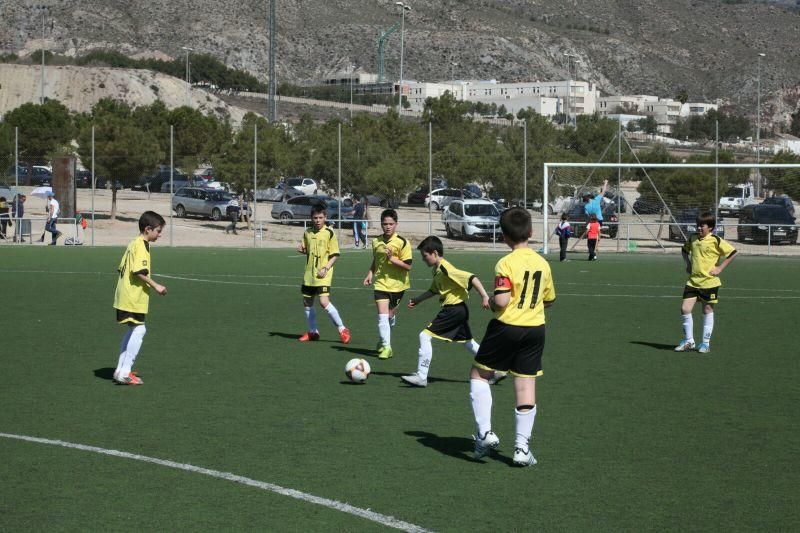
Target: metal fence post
(171, 177)
(94, 185)
(255, 188)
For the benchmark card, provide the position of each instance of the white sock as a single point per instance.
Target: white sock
(333, 314)
(425, 355)
(524, 428)
(480, 395)
(708, 327)
(688, 327)
(311, 319)
(385, 330)
(122, 348)
(472, 346)
(132, 350)
(392, 320)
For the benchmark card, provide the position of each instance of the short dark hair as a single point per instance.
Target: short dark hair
(151, 219)
(587, 197)
(431, 244)
(708, 219)
(318, 208)
(516, 224)
(391, 213)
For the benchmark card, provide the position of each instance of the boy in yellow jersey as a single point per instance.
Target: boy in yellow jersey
(131, 299)
(701, 253)
(452, 322)
(514, 340)
(391, 263)
(322, 250)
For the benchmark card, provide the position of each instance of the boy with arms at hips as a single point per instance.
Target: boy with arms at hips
(514, 339)
(701, 253)
(452, 322)
(322, 250)
(132, 298)
(391, 263)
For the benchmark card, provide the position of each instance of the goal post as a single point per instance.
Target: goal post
(664, 188)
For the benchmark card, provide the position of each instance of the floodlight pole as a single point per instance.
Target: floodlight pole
(339, 203)
(716, 170)
(16, 157)
(430, 175)
(171, 177)
(403, 9)
(758, 127)
(188, 76)
(255, 185)
(41, 98)
(94, 185)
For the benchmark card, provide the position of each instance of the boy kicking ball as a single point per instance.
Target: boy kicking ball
(701, 253)
(322, 250)
(452, 322)
(514, 340)
(131, 299)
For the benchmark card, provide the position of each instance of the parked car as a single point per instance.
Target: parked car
(617, 199)
(277, 193)
(785, 201)
(736, 198)
(175, 185)
(686, 224)
(767, 223)
(40, 176)
(437, 197)
(382, 201)
(579, 219)
(83, 180)
(201, 202)
(156, 181)
(472, 218)
(299, 208)
(21, 174)
(304, 185)
(647, 207)
(417, 196)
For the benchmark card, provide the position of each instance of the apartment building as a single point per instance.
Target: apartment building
(697, 109)
(666, 111)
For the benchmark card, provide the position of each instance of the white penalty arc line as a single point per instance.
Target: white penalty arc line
(372, 516)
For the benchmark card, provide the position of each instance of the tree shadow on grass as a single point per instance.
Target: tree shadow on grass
(656, 345)
(104, 373)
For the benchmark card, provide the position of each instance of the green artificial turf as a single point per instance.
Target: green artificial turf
(629, 434)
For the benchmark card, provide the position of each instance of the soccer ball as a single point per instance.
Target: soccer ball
(357, 370)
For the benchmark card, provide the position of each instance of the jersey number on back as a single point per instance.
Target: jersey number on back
(537, 280)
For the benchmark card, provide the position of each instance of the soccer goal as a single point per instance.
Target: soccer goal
(658, 202)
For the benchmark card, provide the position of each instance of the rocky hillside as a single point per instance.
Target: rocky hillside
(708, 47)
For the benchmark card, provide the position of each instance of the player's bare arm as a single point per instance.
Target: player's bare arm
(499, 301)
(717, 270)
(687, 261)
(484, 296)
(368, 278)
(413, 302)
(322, 272)
(160, 289)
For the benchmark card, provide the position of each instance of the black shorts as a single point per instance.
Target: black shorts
(708, 296)
(451, 324)
(514, 349)
(127, 317)
(310, 291)
(393, 297)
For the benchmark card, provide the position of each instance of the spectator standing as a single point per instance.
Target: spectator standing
(246, 209)
(5, 217)
(594, 205)
(593, 237)
(232, 211)
(564, 232)
(53, 210)
(17, 212)
(359, 235)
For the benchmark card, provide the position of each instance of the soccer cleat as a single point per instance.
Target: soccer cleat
(309, 336)
(483, 445)
(379, 346)
(497, 377)
(704, 347)
(385, 352)
(415, 379)
(523, 457)
(130, 379)
(685, 346)
(344, 336)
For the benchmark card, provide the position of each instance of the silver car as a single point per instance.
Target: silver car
(299, 208)
(203, 202)
(472, 219)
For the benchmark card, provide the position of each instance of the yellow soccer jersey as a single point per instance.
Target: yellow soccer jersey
(705, 254)
(526, 275)
(389, 277)
(320, 247)
(132, 293)
(452, 285)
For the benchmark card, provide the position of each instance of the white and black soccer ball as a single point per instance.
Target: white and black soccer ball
(357, 370)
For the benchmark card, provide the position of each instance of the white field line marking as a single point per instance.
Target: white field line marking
(268, 276)
(372, 516)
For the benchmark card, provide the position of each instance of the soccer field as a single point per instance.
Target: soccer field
(239, 426)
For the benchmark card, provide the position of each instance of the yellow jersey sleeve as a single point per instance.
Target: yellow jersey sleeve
(139, 259)
(333, 244)
(405, 252)
(725, 248)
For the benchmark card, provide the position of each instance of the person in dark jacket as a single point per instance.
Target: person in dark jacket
(17, 212)
(5, 217)
(232, 211)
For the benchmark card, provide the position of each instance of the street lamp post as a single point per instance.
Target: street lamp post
(188, 76)
(403, 8)
(569, 84)
(352, 73)
(758, 125)
(41, 91)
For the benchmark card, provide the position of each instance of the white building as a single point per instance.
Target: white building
(696, 109)
(547, 98)
(666, 111)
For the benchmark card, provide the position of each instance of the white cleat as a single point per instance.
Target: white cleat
(523, 457)
(416, 380)
(685, 346)
(704, 348)
(485, 444)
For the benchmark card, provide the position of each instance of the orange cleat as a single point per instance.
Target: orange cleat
(344, 335)
(309, 336)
